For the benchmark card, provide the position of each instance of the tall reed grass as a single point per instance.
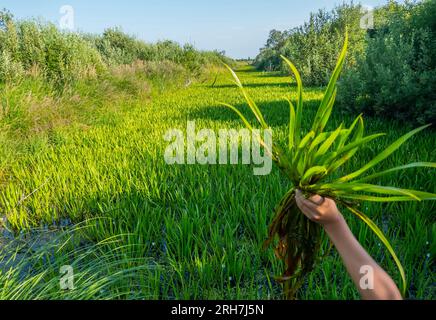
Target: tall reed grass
(31, 47)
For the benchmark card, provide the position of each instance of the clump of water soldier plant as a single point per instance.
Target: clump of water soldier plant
(310, 162)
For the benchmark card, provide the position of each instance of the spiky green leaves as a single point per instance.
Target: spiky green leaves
(318, 170)
(383, 155)
(292, 125)
(296, 128)
(253, 106)
(348, 189)
(407, 166)
(324, 111)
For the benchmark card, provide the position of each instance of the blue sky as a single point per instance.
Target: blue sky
(240, 27)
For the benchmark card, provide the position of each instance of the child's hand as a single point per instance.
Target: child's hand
(318, 209)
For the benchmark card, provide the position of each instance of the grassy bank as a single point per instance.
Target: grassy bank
(148, 230)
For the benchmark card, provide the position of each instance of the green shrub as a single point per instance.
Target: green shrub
(31, 45)
(10, 70)
(396, 76)
(69, 57)
(312, 45)
(60, 57)
(117, 47)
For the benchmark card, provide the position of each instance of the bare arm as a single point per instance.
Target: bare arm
(354, 256)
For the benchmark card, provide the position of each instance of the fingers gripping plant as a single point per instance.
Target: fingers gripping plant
(310, 161)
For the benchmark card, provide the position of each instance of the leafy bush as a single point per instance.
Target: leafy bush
(69, 57)
(31, 44)
(312, 45)
(396, 76)
(390, 70)
(61, 57)
(118, 48)
(10, 70)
